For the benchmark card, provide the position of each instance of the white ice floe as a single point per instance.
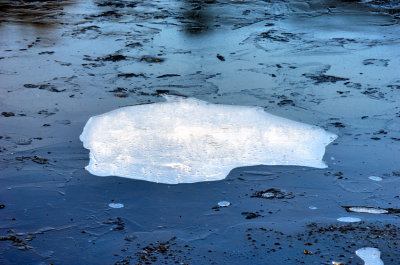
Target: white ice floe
(367, 210)
(349, 219)
(116, 205)
(186, 140)
(370, 256)
(375, 178)
(224, 204)
(312, 208)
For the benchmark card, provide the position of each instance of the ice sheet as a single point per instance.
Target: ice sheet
(186, 140)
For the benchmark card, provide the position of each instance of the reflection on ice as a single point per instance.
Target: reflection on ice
(189, 140)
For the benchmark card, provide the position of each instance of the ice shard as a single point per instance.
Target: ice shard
(186, 140)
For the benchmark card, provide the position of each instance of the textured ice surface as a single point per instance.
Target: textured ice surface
(185, 140)
(349, 219)
(370, 256)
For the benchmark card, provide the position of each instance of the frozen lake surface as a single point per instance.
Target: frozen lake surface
(330, 64)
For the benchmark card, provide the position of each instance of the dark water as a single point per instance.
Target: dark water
(334, 64)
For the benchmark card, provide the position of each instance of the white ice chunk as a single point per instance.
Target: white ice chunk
(368, 210)
(186, 140)
(375, 178)
(349, 219)
(116, 205)
(224, 204)
(370, 256)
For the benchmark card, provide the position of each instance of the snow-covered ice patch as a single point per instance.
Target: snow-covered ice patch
(349, 219)
(116, 205)
(367, 210)
(186, 140)
(370, 256)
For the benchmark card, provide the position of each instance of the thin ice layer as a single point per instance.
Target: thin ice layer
(186, 140)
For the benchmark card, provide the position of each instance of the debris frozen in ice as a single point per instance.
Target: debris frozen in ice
(367, 210)
(185, 140)
(312, 208)
(370, 256)
(349, 219)
(375, 178)
(224, 204)
(116, 205)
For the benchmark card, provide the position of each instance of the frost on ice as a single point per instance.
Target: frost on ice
(185, 140)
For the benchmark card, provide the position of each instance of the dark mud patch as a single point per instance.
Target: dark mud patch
(323, 244)
(168, 75)
(220, 57)
(36, 159)
(150, 59)
(273, 194)
(116, 223)
(16, 240)
(163, 252)
(376, 62)
(7, 114)
(129, 75)
(48, 87)
(251, 215)
(322, 78)
(113, 58)
(275, 35)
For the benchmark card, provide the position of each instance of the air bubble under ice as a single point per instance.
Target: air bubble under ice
(186, 140)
